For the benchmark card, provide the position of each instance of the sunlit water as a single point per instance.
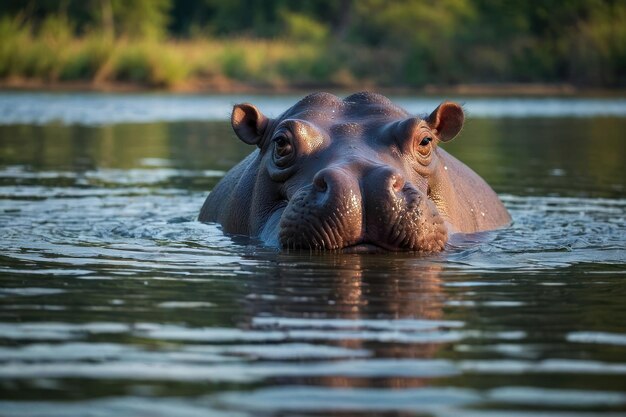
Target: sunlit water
(114, 300)
(97, 108)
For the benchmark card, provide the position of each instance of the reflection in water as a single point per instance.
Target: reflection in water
(515, 156)
(115, 300)
(370, 309)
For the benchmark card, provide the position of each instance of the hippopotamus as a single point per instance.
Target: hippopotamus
(358, 174)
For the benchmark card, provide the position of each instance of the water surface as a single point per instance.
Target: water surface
(114, 300)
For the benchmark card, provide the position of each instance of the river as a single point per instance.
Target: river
(114, 300)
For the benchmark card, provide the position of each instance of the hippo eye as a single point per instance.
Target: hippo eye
(423, 147)
(283, 147)
(283, 150)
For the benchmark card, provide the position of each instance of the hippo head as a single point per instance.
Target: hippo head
(353, 175)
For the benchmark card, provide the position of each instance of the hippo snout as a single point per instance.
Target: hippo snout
(326, 214)
(380, 210)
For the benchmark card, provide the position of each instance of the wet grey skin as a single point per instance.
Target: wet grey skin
(358, 174)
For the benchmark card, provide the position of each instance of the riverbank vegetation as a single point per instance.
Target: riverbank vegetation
(279, 44)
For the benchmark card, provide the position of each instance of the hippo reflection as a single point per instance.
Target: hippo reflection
(352, 175)
(390, 307)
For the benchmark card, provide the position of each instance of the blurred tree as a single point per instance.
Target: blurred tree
(594, 49)
(134, 18)
(445, 41)
(249, 18)
(141, 18)
(424, 30)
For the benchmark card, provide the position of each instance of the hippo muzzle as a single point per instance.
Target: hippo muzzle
(381, 211)
(352, 175)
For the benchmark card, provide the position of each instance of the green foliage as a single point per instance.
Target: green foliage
(339, 42)
(141, 18)
(149, 63)
(234, 64)
(132, 64)
(87, 58)
(40, 57)
(598, 47)
(13, 36)
(302, 28)
(56, 30)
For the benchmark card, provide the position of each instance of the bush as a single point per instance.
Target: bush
(14, 37)
(302, 28)
(132, 63)
(86, 58)
(149, 63)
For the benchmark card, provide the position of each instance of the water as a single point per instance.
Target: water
(98, 108)
(115, 301)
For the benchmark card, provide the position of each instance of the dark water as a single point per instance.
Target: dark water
(115, 301)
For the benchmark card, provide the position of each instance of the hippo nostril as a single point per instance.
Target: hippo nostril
(396, 182)
(319, 182)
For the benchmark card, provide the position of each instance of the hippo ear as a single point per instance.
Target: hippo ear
(447, 119)
(249, 123)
